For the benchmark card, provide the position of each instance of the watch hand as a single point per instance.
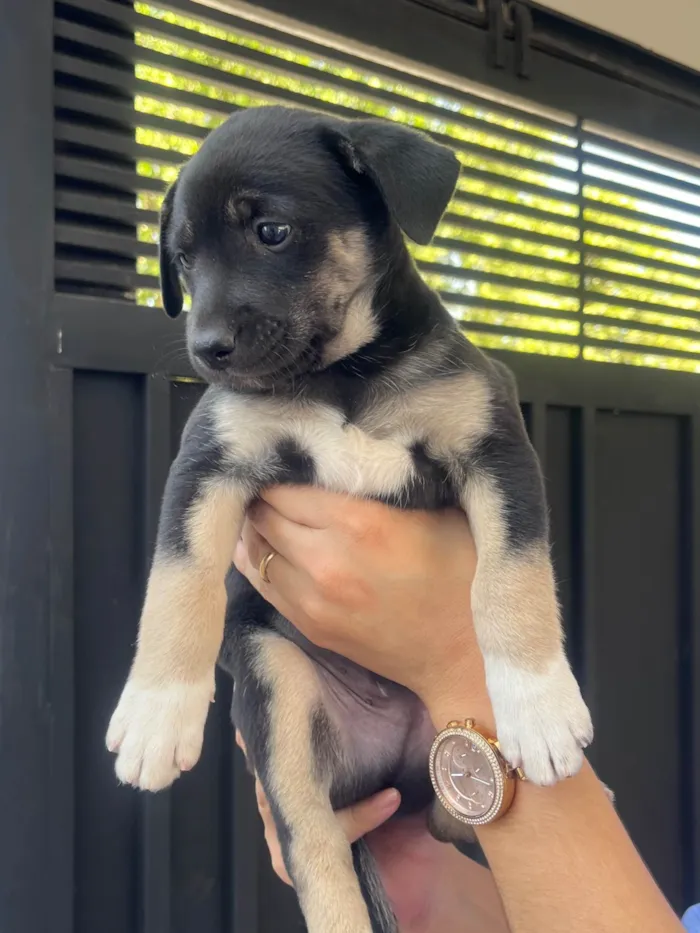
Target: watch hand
(475, 778)
(460, 774)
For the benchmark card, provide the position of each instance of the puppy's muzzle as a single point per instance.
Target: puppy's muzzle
(214, 351)
(242, 344)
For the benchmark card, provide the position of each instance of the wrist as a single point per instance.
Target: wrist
(453, 683)
(468, 699)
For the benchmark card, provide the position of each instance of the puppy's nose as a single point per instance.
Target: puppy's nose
(215, 350)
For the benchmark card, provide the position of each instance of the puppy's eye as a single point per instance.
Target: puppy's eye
(184, 261)
(273, 234)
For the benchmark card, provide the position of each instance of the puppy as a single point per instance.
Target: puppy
(329, 361)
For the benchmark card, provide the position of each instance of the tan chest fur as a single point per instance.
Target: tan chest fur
(371, 457)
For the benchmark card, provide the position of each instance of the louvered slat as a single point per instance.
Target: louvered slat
(506, 251)
(559, 240)
(642, 280)
(95, 164)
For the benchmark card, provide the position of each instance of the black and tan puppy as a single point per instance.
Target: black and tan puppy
(331, 362)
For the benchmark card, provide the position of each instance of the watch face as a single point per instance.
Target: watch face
(466, 776)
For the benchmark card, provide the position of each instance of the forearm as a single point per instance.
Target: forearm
(561, 858)
(469, 899)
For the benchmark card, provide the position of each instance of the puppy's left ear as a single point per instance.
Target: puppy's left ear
(415, 176)
(170, 287)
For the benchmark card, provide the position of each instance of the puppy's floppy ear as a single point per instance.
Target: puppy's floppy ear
(169, 279)
(415, 176)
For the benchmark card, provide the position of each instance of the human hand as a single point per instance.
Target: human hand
(386, 588)
(429, 885)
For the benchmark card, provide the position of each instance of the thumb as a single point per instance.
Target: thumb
(361, 818)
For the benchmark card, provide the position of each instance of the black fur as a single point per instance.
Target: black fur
(296, 464)
(288, 168)
(199, 458)
(275, 317)
(507, 456)
(415, 177)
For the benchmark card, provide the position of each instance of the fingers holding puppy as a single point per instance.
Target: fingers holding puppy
(356, 821)
(286, 587)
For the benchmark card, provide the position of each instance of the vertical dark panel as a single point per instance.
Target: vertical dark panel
(31, 898)
(536, 421)
(108, 462)
(278, 906)
(690, 787)
(62, 638)
(156, 889)
(585, 621)
(247, 849)
(200, 850)
(559, 477)
(636, 637)
(199, 827)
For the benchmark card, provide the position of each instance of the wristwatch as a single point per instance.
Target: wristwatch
(471, 778)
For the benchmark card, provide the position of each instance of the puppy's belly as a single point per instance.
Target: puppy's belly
(380, 734)
(369, 733)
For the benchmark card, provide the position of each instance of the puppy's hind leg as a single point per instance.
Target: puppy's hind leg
(296, 775)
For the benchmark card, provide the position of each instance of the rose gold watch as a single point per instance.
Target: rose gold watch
(471, 778)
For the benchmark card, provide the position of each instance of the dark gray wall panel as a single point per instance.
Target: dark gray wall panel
(108, 433)
(559, 476)
(636, 675)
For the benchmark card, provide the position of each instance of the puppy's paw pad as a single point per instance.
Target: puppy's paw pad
(158, 732)
(542, 722)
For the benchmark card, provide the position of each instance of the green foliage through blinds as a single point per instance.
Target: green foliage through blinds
(558, 240)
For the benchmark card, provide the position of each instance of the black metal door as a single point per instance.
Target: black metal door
(621, 462)
(95, 393)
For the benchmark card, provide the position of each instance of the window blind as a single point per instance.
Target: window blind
(562, 238)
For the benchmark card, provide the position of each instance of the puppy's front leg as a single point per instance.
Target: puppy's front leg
(541, 719)
(158, 726)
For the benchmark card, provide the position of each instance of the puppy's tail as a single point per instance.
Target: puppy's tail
(380, 912)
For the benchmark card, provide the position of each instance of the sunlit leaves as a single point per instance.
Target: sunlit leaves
(148, 200)
(465, 260)
(512, 195)
(522, 344)
(165, 173)
(510, 219)
(642, 338)
(169, 111)
(515, 320)
(655, 318)
(633, 358)
(511, 243)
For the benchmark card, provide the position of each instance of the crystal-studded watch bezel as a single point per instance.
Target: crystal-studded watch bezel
(491, 756)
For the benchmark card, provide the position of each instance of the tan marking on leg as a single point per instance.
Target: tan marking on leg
(321, 860)
(183, 617)
(516, 613)
(158, 725)
(541, 719)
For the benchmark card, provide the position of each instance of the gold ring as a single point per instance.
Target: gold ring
(264, 564)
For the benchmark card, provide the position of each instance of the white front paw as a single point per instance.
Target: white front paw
(542, 723)
(157, 732)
